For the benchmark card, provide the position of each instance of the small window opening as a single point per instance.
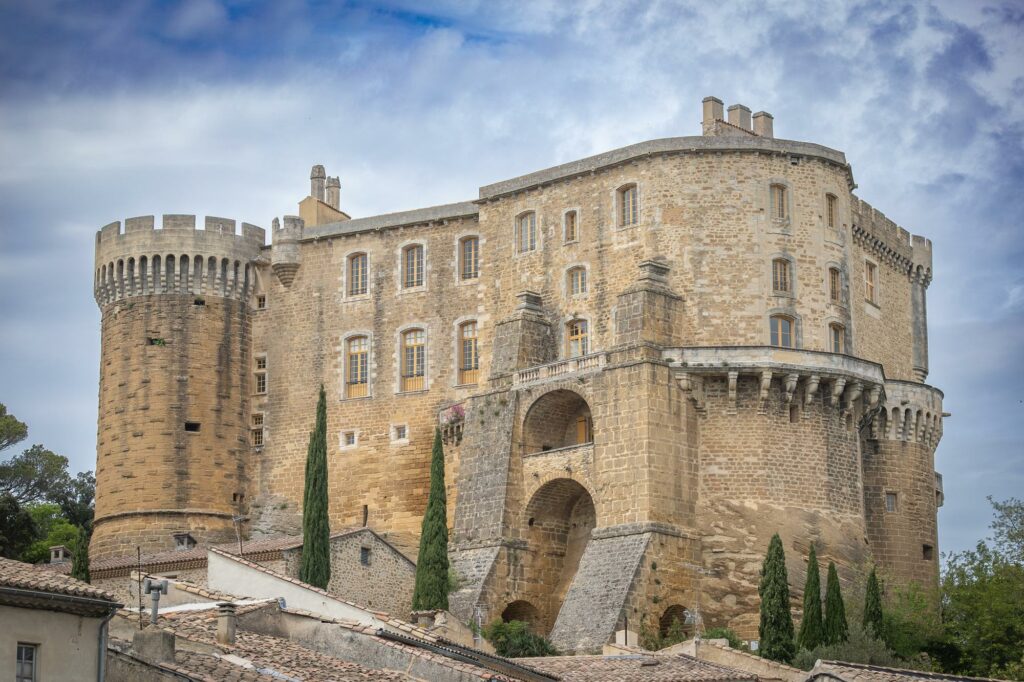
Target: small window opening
(927, 552)
(156, 341)
(348, 438)
(366, 515)
(192, 427)
(399, 432)
(184, 541)
(794, 414)
(890, 502)
(199, 301)
(530, 522)
(238, 497)
(261, 302)
(364, 556)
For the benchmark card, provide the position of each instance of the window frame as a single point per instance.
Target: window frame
(260, 374)
(833, 329)
(517, 232)
(18, 661)
(467, 376)
(460, 259)
(574, 336)
(393, 433)
(871, 282)
(831, 211)
(571, 272)
(895, 497)
(834, 282)
(772, 334)
(347, 392)
(622, 221)
(412, 383)
(788, 276)
(257, 429)
(780, 212)
(350, 274)
(575, 238)
(403, 267)
(343, 434)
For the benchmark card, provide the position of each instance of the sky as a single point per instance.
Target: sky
(115, 109)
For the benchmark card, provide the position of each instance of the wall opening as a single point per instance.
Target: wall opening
(192, 427)
(674, 617)
(523, 611)
(559, 419)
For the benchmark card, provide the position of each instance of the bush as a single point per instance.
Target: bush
(653, 640)
(514, 640)
(726, 633)
(860, 647)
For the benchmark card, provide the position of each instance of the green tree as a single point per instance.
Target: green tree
(776, 626)
(51, 529)
(35, 475)
(80, 558)
(515, 640)
(431, 591)
(1008, 527)
(860, 647)
(77, 499)
(811, 634)
(17, 528)
(315, 566)
(836, 629)
(873, 606)
(12, 431)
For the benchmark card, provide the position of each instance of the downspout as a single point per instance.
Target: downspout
(101, 665)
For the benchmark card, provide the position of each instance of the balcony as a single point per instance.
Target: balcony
(585, 363)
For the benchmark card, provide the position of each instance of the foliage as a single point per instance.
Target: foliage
(315, 567)
(34, 475)
(12, 431)
(431, 591)
(1008, 527)
(77, 499)
(17, 528)
(51, 529)
(653, 640)
(873, 605)
(515, 640)
(835, 630)
(861, 646)
(909, 620)
(726, 633)
(80, 558)
(811, 634)
(775, 629)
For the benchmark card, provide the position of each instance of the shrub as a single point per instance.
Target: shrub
(860, 647)
(726, 633)
(515, 640)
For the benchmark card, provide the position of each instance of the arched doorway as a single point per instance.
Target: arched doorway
(523, 611)
(558, 419)
(674, 617)
(559, 519)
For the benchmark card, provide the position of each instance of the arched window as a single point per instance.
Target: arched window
(782, 331)
(412, 266)
(780, 202)
(835, 285)
(782, 281)
(577, 338)
(357, 274)
(629, 206)
(526, 232)
(831, 210)
(469, 258)
(577, 283)
(571, 227)
(469, 359)
(414, 359)
(836, 337)
(357, 367)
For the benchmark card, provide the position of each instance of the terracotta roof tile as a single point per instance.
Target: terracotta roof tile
(859, 672)
(649, 668)
(26, 577)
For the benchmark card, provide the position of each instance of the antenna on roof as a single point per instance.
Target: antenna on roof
(237, 520)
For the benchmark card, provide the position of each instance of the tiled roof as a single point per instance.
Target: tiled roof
(25, 577)
(648, 668)
(859, 672)
(194, 665)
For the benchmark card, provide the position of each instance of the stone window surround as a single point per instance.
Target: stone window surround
(392, 433)
(355, 439)
(617, 205)
(798, 332)
(847, 340)
(457, 346)
(878, 284)
(565, 213)
(783, 225)
(371, 366)
(369, 275)
(824, 213)
(516, 253)
(480, 241)
(257, 370)
(564, 334)
(397, 355)
(400, 272)
(844, 281)
(791, 294)
(567, 284)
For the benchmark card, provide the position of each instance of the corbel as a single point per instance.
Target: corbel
(874, 395)
(811, 390)
(733, 380)
(692, 386)
(790, 386)
(838, 384)
(766, 385)
(853, 392)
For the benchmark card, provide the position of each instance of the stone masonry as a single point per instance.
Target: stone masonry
(682, 347)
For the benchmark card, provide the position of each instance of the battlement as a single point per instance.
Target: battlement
(175, 258)
(896, 246)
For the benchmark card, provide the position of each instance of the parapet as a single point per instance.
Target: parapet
(176, 258)
(894, 245)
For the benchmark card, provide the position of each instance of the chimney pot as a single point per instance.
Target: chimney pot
(739, 116)
(713, 111)
(763, 124)
(334, 193)
(227, 622)
(316, 182)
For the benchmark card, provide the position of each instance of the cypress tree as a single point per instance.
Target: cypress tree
(811, 627)
(776, 627)
(836, 630)
(873, 605)
(80, 557)
(431, 591)
(315, 568)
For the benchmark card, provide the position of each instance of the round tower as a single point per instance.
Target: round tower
(172, 438)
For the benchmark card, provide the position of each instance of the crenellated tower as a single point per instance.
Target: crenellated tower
(172, 439)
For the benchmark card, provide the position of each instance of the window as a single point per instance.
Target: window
(413, 359)
(261, 374)
(469, 359)
(629, 208)
(364, 556)
(782, 331)
(357, 274)
(577, 337)
(183, 542)
(870, 281)
(835, 285)
(578, 281)
(257, 429)
(412, 266)
(927, 552)
(571, 230)
(399, 432)
(26, 663)
(192, 427)
(836, 337)
(890, 502)
(526, 232)
(261, 301)
(584, 430)
(781, 281)
(469, 258)
(780, 203)
(357, 355)
(348, 439)
(830, 210)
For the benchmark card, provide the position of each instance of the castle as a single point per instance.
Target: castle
(644, 363)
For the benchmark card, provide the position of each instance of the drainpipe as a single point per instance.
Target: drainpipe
(101, 664)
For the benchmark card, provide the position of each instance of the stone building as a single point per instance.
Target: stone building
(644, 364)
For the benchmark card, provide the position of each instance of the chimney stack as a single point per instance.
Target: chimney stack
(334, 193)
(739, 116)
(316, 182)
(713, 111)
(227, 621)
(763, 124)
(58, 554)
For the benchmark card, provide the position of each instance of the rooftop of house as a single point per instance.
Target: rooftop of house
(23, 586)
(646, 667)
(860, 672)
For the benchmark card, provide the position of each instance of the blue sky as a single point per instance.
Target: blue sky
(116, 109)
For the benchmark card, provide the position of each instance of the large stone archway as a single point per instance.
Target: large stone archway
(558, 419)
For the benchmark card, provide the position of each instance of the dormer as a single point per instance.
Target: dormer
(184, 542)
(59, 554)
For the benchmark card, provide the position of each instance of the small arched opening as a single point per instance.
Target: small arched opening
(674, 621)
(524, 612)
(559, 419)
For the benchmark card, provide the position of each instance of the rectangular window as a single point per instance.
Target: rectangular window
(469, 359)
(629, 208)
(399, 432)
(578, 337)
(364, 556)
(890, 502)
(261, 382)
(412, 266)
(192, 427)
(261, 301)
(257, 429)
(782, 331)
(570, 226)
(261, 362)
(837, 335)
(348, 439)
(780, 275)
(870, 281)
(526, 232)
(927, 552)
(357, 274)
(413, 359)
(780, 209)
(835, 287)
(470, 256)
(357, 367)
(584, 430)
(830, 210)
(25, 670)
(578, 281)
